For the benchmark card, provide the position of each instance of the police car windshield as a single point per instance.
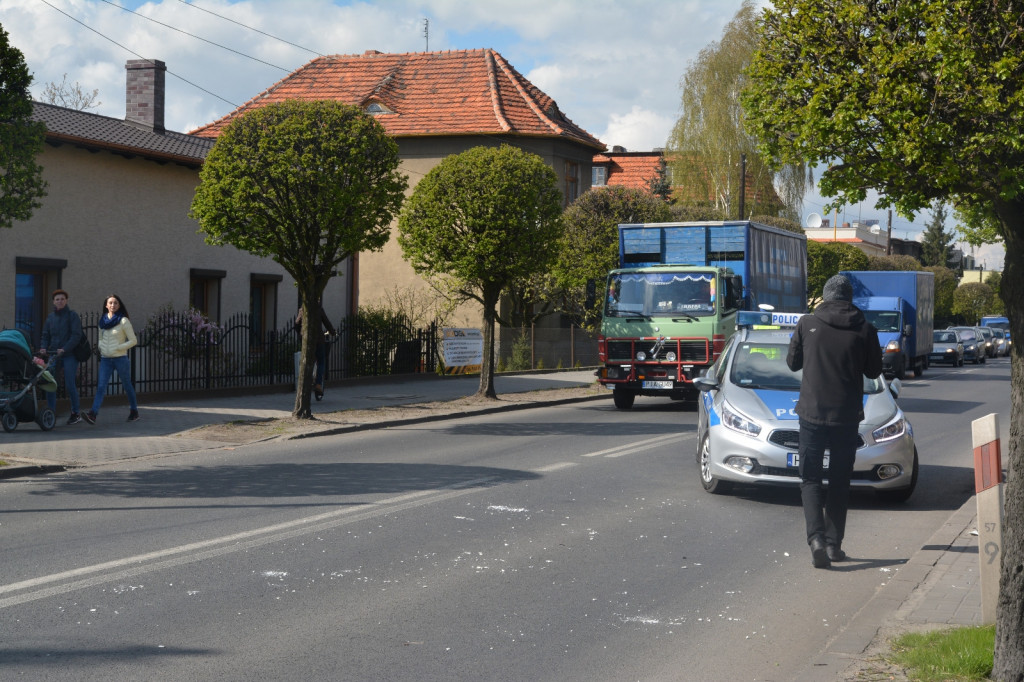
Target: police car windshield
(660, 294)
(763, 365)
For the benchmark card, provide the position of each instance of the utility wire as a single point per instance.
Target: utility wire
(192, 35)
(132, 52)
(238, 23)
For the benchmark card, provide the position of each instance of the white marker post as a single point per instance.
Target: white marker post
(988, 486)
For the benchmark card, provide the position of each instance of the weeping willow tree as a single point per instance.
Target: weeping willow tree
(708, 143)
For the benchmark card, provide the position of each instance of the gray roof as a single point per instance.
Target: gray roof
(95, 132)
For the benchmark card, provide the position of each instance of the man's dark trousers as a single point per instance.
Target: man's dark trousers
(825, 509)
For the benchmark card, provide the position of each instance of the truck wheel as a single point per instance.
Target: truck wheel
(919, 368)
(715, 486)
(623, 399)
(901, 371)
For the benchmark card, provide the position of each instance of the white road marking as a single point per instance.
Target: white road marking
(620, 450)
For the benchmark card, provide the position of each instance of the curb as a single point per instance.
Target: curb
(884, 608)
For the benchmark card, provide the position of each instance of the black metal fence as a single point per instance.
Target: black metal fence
(184, 354)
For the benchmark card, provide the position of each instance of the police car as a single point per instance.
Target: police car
(748, 431)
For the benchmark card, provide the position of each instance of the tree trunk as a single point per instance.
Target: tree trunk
(1009, 651)
(490, 301)
(310, 332)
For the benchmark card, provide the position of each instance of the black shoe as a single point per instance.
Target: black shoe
(90, 417)
(75, 418)
(835, 554)
(819, 554)
(318, 391)
(133, 415)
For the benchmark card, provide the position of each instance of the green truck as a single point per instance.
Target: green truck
(671, 305)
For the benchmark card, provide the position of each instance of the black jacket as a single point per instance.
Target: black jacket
(836, 348)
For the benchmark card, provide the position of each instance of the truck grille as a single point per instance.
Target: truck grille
(686, 350)
(790, 439)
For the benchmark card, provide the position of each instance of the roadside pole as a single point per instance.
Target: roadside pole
(988, 486)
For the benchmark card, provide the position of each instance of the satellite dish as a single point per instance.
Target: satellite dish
(813, 220)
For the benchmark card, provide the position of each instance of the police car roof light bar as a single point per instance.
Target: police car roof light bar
(754, 318)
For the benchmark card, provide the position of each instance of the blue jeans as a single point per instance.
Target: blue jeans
(825, 507)
(107, 367)
(70, 366)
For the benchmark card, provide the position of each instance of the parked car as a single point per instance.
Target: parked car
(990, 343)
(947, 347)
(748, 431)
(1002, 345)
(974, 349)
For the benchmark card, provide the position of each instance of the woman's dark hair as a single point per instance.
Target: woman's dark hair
(121, 307)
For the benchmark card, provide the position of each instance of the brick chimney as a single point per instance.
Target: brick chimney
(144, 93)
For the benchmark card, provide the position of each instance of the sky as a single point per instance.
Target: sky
(613, 66)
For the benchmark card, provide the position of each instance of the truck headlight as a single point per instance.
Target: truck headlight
(739, 423)
(892, 347)
(894, 429)
(670, 356)
(641, 356)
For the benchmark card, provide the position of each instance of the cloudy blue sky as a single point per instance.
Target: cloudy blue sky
(613, 66)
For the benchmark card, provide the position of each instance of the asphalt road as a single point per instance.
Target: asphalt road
(572, 543)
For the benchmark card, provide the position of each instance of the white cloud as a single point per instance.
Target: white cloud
(639, 130)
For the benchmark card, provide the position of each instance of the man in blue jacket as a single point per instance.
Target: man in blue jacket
(62, 331)
(836, 348)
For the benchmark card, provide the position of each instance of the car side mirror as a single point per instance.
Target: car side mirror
(895, 386)
(706, 384)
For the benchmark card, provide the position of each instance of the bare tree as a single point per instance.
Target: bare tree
(70, 96)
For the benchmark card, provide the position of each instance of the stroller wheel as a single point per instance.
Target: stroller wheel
(46, 419)
(10, 421)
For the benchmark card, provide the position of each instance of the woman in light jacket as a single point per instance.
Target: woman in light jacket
(116, 337)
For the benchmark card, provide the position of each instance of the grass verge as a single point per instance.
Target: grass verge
(946, 655)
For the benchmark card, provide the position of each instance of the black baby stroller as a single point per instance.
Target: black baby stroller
(19, 378)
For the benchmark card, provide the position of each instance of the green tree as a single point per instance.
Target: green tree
(971, 301)
(480, 221)
(589, 245)
(825, 259)
(305, 183)
(21, 139)
(898, 261)
(936, 242)
(995, 282)
(919, 100)
(945, 285)
(658, 185)
(708, 140)
(70, 96)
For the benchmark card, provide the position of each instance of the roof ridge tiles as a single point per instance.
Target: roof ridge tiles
(492, 82)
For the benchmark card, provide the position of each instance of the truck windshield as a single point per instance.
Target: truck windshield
(883, 320)
(660, 294)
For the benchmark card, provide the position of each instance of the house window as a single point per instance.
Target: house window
(204, 291)
(572, 181)
(599, 176)
(34, 281)
(377, 108)
(262, 306)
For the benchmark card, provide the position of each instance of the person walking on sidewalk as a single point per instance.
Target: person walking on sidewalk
(116, 337)
(62, 331)
(836, 347)
(326, 328)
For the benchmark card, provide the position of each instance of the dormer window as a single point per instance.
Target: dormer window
(377, 108)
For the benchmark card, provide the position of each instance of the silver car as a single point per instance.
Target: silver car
(946, 347)
(748, 431)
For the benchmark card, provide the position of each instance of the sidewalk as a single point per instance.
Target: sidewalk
(164, 427)
(937, 587)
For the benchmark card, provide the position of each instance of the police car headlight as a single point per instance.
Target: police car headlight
(894, 429)
(641, 355)
(670, 356)
(739, 423)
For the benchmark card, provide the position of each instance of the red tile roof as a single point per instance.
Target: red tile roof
(462, 92)
(630, 169)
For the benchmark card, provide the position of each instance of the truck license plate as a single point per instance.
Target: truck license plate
(793, 459)
(658, 384)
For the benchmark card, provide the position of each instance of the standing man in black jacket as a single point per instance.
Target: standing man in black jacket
(836, 348)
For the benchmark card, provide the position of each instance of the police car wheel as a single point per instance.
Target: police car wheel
(902, 494)
(715, 486)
